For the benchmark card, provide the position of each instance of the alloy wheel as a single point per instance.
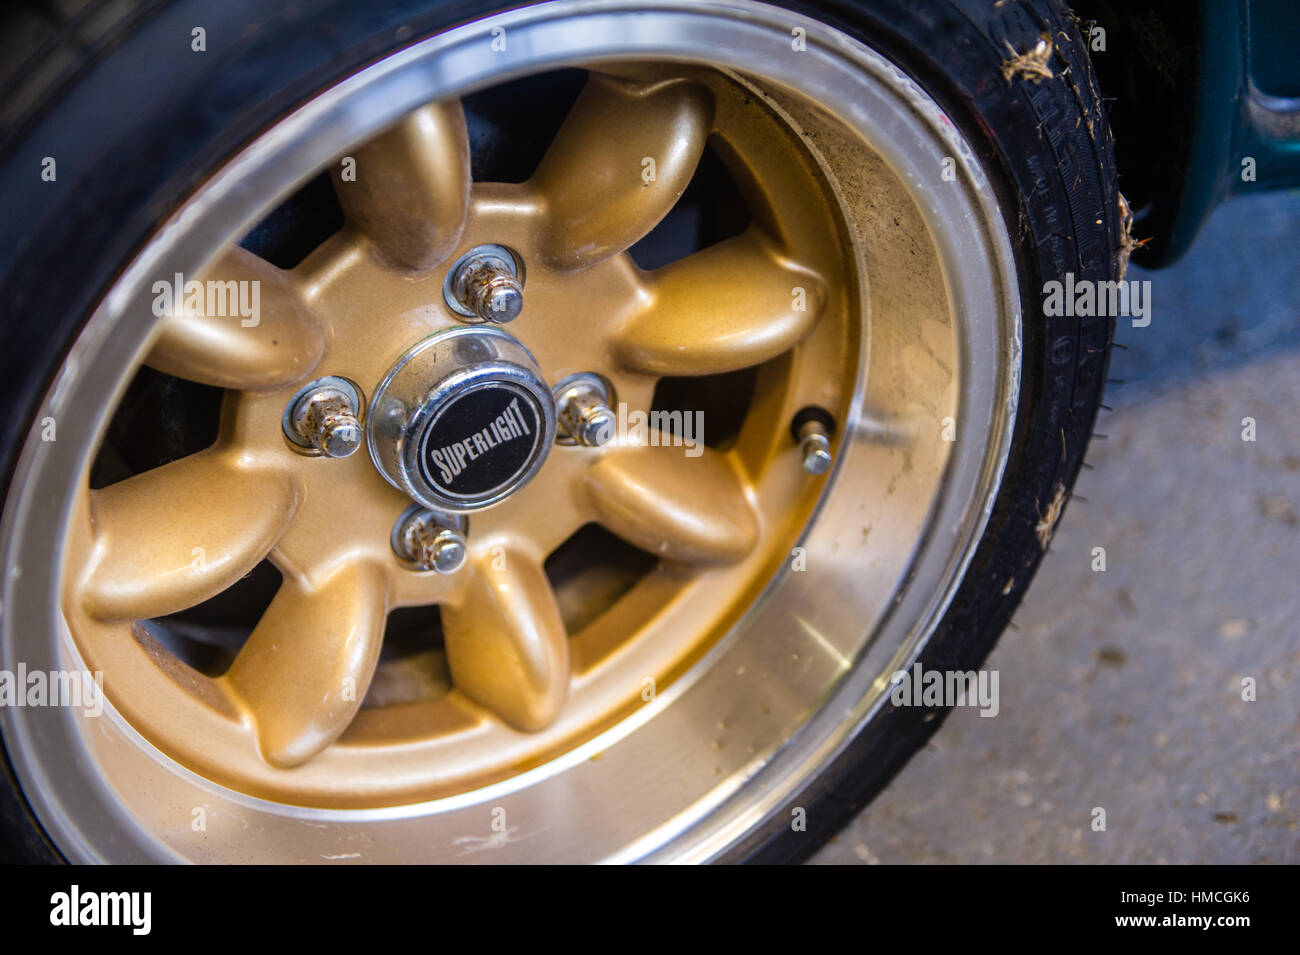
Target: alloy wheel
(770, 600)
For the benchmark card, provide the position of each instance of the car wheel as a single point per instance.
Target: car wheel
(534, 434)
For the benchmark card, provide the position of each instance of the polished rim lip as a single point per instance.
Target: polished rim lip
(199, 230)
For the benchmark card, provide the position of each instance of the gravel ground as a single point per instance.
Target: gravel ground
(1123, 689)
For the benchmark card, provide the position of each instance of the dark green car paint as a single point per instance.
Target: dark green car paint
(1204, 99)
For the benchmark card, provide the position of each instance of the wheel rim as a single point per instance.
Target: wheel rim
(785, 634)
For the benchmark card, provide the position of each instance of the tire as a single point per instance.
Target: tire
(1044, 143)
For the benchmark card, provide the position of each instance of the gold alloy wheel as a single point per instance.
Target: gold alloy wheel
(523, 688)
(658, 717)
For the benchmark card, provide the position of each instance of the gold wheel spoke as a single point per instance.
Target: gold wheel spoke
(308, 663)
(692, 510)
(732, 305)
(411, 191)
(621, 160)
(220, 343)
(172, 537)
(651, 550)
(506, 644)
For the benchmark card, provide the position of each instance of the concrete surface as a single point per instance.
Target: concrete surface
(1123, 689)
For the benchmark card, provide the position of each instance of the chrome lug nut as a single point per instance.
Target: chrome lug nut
(324, 418)
(498, 299)
(588, 421)
(339, 435)
(583, 410)
(486, 284)
(444, 553)
(812, 428)
(430, 540)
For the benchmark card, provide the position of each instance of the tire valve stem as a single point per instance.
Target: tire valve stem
(812, 428)
(323, 417)
(430, 541)
(582, 404)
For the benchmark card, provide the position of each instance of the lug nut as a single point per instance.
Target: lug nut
(443, 553)
(498, 299)
(488, 284)
(582, 404)
(589, 422)
(812, 428)
(430, 540)
(323, 417)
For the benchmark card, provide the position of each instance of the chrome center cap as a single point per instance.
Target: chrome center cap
(462, 420)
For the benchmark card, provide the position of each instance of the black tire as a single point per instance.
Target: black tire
(138, 122)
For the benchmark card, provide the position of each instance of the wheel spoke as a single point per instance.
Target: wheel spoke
(172, 537)
(506, 644)
(732, 305)
(278, 343)
(621, 160)
(411, 191)
(692, 510)
(308, 663)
